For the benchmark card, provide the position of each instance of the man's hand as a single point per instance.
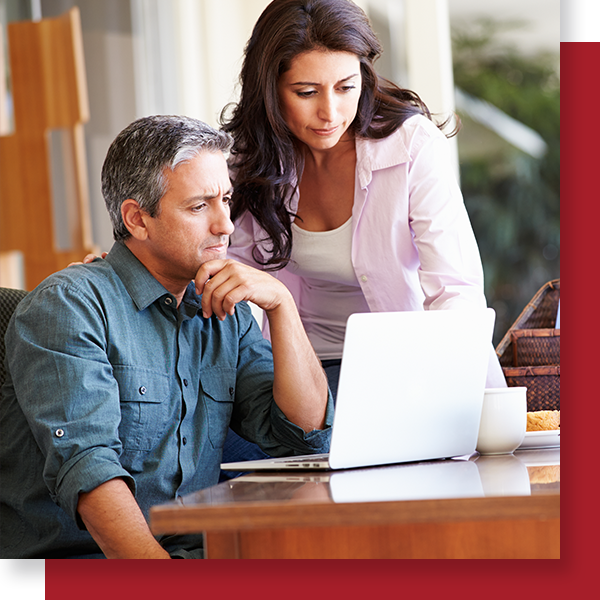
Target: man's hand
(224, 283)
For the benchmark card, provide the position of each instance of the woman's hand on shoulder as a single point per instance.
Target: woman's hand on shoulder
(88, 258)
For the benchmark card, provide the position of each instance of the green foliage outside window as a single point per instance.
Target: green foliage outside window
(512, 198)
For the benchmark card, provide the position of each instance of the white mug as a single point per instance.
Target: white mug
(503, 475)
(503, 420)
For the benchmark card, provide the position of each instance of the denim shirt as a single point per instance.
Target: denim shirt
(107, 378)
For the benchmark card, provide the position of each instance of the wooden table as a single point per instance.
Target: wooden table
(480, 507)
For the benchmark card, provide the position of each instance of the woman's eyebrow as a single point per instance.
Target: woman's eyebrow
(313, 83)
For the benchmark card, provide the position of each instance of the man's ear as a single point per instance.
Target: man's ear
(134, 219)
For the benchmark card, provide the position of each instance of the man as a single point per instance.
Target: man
(123, 380)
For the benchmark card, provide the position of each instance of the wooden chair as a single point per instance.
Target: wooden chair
(50, 102)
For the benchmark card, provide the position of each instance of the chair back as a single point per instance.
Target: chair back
(9, 298)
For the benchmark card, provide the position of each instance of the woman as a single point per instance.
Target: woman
(343, 185)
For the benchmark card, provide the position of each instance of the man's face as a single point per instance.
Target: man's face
(193, 224)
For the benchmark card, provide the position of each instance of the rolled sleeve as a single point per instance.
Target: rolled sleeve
(291, 436)
(66, 391)
(84, 474)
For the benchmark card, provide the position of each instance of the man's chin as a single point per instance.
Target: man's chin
(208, 256)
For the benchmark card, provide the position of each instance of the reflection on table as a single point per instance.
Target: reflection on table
(505, 505)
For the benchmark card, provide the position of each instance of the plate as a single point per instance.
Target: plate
(541, 439)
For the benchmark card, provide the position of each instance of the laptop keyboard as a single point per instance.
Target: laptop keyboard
(305, 459)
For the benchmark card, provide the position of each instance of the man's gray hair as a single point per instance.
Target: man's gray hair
(136, 161)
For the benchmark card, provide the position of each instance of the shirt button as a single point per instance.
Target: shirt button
(231, 390)
(142, 390)
(184, 441)
(185, 382)
(363, 278)
(168, 300)
(59, 433)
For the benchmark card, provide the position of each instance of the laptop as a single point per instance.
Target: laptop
(411, 388)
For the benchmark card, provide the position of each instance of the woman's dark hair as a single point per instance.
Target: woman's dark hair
(264, 151)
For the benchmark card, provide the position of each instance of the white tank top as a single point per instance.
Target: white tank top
(330, 292)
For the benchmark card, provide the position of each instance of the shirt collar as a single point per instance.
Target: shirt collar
(191, 301)
(143, 288)
(141, 285)
(373, 155)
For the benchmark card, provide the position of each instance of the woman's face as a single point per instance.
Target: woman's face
(319, 97)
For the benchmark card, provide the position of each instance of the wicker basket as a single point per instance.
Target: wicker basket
(529, 353)
(534, 347)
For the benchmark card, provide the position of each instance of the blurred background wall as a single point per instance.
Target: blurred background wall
(496, 63)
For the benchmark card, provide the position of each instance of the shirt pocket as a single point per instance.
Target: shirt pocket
(144, 396)
(218, 391)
